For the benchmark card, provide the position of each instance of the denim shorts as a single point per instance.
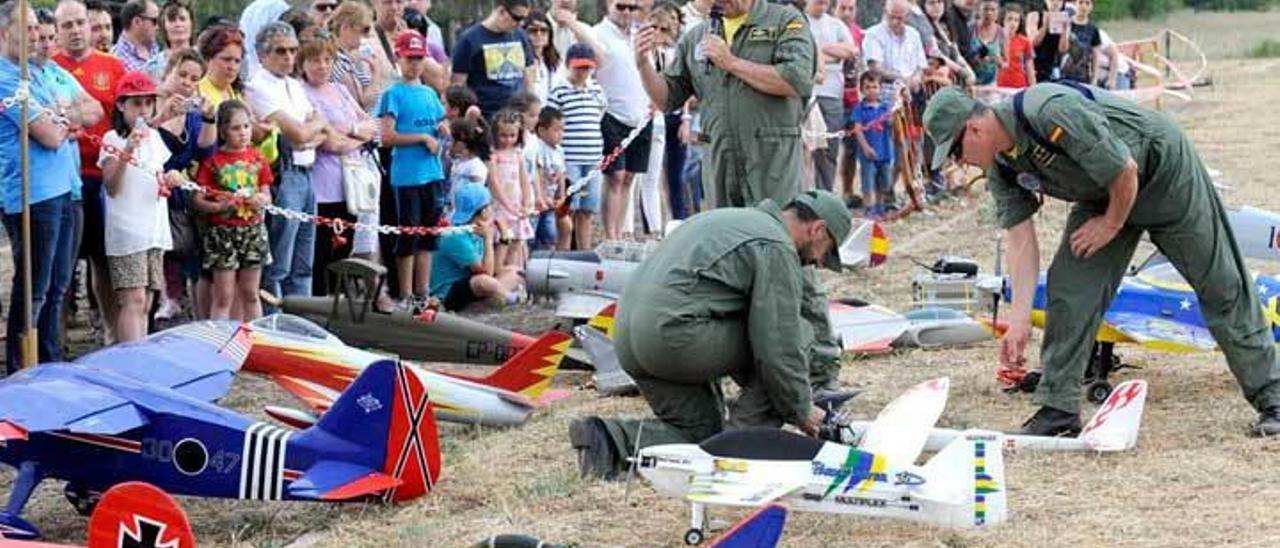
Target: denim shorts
(586, 200)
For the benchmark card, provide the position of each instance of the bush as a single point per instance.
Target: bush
(1265, 49)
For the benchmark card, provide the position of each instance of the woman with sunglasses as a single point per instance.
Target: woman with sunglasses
(353, 67)
(546, 60)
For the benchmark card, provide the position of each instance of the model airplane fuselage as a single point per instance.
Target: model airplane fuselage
(119, 415)
(316, 366)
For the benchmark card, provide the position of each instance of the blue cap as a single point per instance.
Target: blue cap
(468, 200)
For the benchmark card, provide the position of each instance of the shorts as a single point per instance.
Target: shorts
(234, 247)
(417, 206)
(586, 200)
(545, 234)
(636, 158)
(92, 244)
(144, 269)
(460, 296)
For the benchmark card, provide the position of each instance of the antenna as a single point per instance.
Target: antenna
(995, 303)
(635, 460)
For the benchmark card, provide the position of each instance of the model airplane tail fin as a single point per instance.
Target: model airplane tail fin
(1115, 426)
(387, 414)
(970, 470)
(760, 529)
(530, 371)
(604, 320)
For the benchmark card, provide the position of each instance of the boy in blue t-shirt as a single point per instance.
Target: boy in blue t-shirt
(463, 271)
(412, 117)
(873, 128)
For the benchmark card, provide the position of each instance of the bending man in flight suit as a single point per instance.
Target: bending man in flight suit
(1128, 170)
(720, 296)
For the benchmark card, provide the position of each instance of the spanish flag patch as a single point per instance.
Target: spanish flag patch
(1056, 135)
(794, 25)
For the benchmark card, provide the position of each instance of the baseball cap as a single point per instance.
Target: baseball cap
(468, 200)
(135, 84)
(944, 118)
(580, 55)
(839, 222)
(410, 43)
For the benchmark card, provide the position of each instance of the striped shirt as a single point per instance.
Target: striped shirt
(583, 109)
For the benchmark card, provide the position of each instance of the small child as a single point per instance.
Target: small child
(509, 184)
(465, 270)
(137, 213)
(552, 229)
(470, 150)
(1018, 70)
(235, 247)
(874, 131)
(413, 124)
(582, 102)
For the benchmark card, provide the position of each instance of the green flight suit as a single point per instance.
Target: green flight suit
(1176, 204)
(754, 150)
(721, 296)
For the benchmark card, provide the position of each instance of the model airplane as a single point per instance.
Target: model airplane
(583, 282)
(962, 486)
(431, 335)
(869, 328)
(1154, 308)
(141, 412)
(316, 366)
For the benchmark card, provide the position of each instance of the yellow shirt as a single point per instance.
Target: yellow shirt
(731, 26)
(268, 147)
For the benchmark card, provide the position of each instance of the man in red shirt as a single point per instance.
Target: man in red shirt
(98, 72)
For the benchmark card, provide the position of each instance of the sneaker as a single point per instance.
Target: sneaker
(597, 457)
(1268, 423)
(168, 310)
(1053, 422)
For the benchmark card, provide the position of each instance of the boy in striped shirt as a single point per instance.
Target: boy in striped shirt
(582, 102)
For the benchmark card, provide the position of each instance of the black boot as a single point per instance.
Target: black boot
(1053, 422)
(1268, 423)
(597, 457)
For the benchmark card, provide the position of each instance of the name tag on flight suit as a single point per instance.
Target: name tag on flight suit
(758, 34)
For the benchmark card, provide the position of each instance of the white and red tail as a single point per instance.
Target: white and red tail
(530, 371)
(1115, 426)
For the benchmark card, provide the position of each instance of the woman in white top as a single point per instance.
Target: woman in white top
(137, 211)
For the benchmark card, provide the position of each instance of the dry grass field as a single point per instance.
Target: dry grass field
(1194, 480)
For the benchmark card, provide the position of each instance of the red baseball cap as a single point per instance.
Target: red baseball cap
(135, 84)
(410, 43)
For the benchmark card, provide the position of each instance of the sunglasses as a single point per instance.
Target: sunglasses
(149, 19)
(517, 17)
(285, 50)
(324, 7)
(627, 7)
(537, 30)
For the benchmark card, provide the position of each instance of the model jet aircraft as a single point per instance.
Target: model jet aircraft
(316, 366)
(583, 282)
(431, 335)
(141, 412)
(962, 486)
(868, 328)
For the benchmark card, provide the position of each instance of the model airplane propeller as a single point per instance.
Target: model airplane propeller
(142, 412)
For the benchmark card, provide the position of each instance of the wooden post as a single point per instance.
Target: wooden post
(30, 338)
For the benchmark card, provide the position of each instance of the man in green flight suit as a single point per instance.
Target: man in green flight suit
(1128, 170)
(752, 84)
(720, 296)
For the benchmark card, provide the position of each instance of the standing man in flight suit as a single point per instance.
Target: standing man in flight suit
(1128, 170)
(720, 296)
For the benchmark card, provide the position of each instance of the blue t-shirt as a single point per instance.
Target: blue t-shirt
(417, 109)
(65, 88)
(877, 129)
(454, 258)
(494, 64)
(53, 170)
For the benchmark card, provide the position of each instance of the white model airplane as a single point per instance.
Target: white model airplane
(1113, 428)
(962, 486)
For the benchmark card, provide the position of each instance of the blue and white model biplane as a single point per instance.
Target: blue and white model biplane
(143, 412)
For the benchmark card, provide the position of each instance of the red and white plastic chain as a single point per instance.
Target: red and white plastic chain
(609, 158)
(877, 124)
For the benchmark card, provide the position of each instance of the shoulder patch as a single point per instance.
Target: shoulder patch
(794, 25)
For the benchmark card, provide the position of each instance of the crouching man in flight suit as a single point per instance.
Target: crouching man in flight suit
(1128, 170)
(721, 296)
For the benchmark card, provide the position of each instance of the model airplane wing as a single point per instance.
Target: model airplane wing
(583, 304)
(199, 360)
(1160, 333)
(901, 429)
(335, 480)
(63, 397)
(869, 329)
(726, 486)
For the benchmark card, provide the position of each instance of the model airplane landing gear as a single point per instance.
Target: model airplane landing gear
(697, 524)
(1104, 362)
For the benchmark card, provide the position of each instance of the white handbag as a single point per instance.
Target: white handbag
(361, 184)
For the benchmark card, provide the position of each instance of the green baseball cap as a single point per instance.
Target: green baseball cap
(839, 222)
(944, 119)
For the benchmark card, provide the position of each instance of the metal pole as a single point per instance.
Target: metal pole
(29, 335)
